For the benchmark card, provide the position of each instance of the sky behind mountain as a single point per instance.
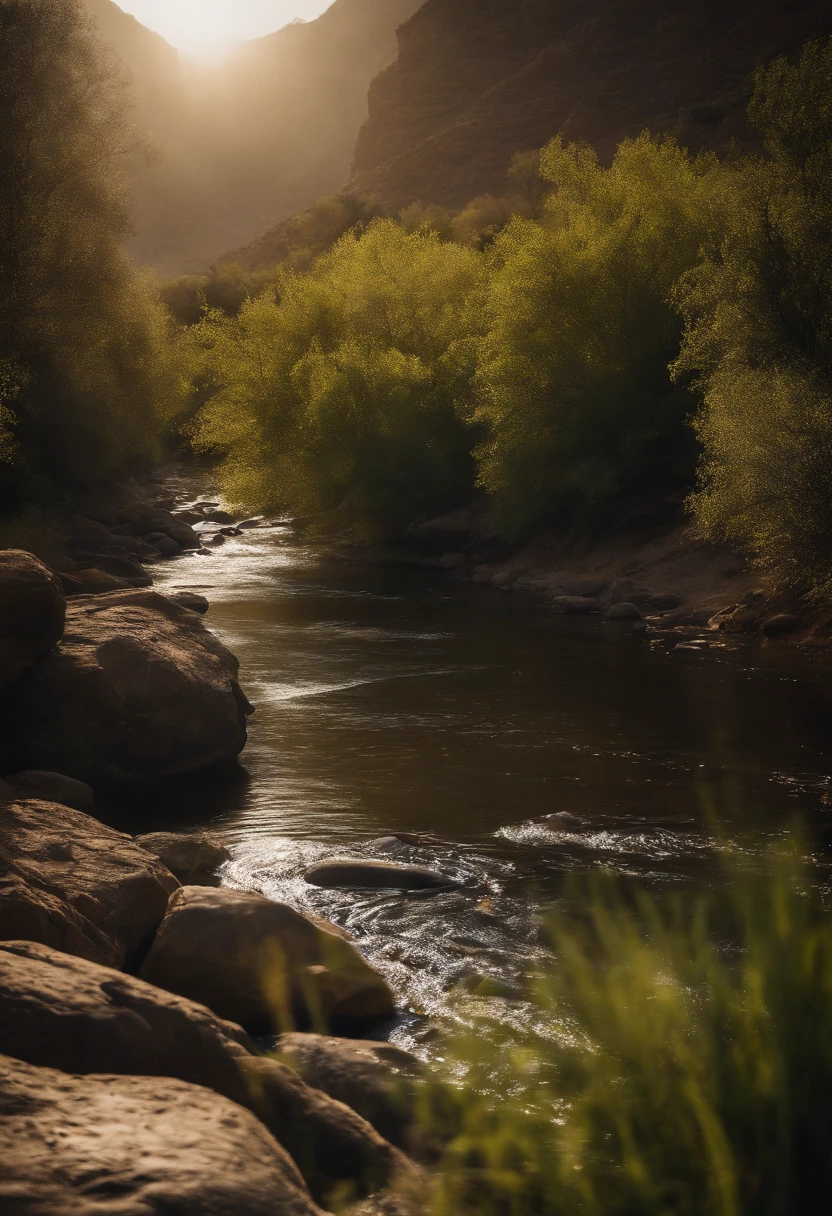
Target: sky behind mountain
(208, 28)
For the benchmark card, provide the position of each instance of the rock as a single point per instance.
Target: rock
(620, 591)
(574, 605)
(71, 1146)
(52, 787)
(57, 1011)
(503, 580)
(126, 570)
(374, 1079)
(193, 859)
(662, 603)
(93, 581)
(191, 601)
(183, 535)
(218, 517)
(32, 613)
(781, 624)
(6, 792)
(251, 523)
(62, 1012)
(248, 958)
(588, 588)
(73, 884)
(188, 517)
(452, 561)
(163, 544)
(217, 540)
(450, 532)
(329, 1141)
(623, 612)
(385, 875)
(138, 690)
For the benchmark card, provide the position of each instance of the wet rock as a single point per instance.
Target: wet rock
(247, 958)
(58, 1011)
(193, 859)
(620, 591)
(217, 540)
(116, 1144)
(183, 535)
(127, 570)
(329, 1141)
(94, 581)
(231, 531)
(574, 605)
(251, 523)
(383, 875)
(191, 601)
(374, 1079)
(588, 588)
(218, 517)
(502, 581)
(32, 613)
(164, 544)
(52, 787)
(188, 517)
(73, 884)
(138, 690)
(623, 612)
(781, 624)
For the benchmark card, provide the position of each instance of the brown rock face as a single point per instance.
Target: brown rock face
(138, 690)
(374, 1079)
(257, 962)
(32, 612)
(193, 859)
(52, 787)
(75, 885)
(73, 1145)
(479, 80)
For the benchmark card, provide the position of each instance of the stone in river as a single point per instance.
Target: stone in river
(192, 601)
(384, 875)
(778, 626)
(138, 690)
(251, 960)
(574, 605)
(623, 611)
(32, 613)
(192, 858)
(73, 1145)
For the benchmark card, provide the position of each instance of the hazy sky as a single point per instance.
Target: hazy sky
(208, 27)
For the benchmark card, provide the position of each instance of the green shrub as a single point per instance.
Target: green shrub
(573, 383)
(680, 1063)
(342, 393)
(759, 337)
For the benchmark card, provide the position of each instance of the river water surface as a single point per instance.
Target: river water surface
(523, 746)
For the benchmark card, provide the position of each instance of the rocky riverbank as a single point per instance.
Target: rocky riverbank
(131, 981)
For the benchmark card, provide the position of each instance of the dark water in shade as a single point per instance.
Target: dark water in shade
(396, 700)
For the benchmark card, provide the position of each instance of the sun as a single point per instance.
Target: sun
(209, 29)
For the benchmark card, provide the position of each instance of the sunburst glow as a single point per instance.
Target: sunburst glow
(207, 29)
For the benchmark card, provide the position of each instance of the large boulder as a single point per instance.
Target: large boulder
(374, 1079)
(73, 884)
(194, 858)
(51, 787)
(32, 613)
(261, 963)
(138, 690)
(62, 1012)
(74, 1145)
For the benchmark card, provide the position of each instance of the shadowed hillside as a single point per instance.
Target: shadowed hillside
(257, 139)
(478, 80)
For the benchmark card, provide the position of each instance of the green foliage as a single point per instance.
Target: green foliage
(87, 372)
(671, 1074)
(759, 337)
(573, 381)
(428, 217)
(342, 392)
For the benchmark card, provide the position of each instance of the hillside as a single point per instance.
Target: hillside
(478, 80)
(253, 141)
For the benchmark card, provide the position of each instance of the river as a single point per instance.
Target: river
(523, 746)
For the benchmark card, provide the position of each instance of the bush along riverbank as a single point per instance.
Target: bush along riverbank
(130, 980)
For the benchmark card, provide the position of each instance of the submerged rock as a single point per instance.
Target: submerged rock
(253, 960)
(193, 859)
(386, 875)
(574, 605)
(623, 611)
(52, 787)
(32, 613)
(78, 1144)
(138, 690)
(778, 626)
(192, 601)
(73, 884)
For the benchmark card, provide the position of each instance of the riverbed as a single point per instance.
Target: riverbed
(524, 748)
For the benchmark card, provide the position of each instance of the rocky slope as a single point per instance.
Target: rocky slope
(248, 143)
(478, 80)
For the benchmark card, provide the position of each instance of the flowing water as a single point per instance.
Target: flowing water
(521, 746)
